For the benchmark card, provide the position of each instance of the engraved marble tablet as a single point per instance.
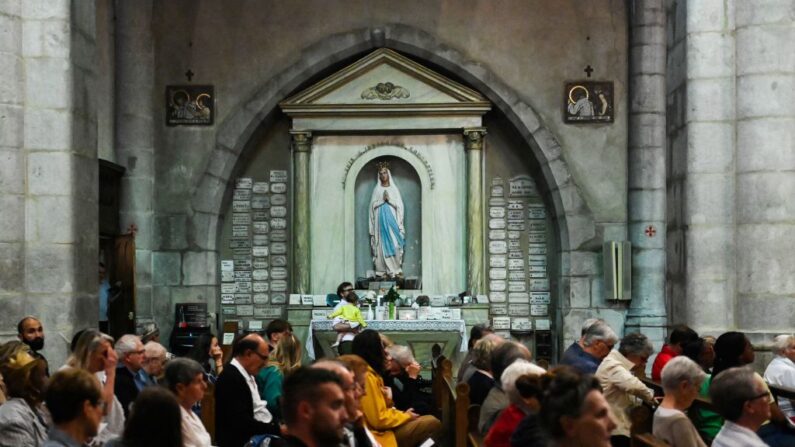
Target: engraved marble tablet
(241, 206)
(518, 309)
(278, 298)
(278, 176)
(538, 226)
(260, 239)
(260, 263)
(279, 248)
(260, 286)
(501, 323)
(260, 215)
(497, 180)
(227, 265)
(259, 275)
(516, 275)
(498, 273)
(514, 254)
(497, 286)
(261, 227)
(536, 211)
(536, 268)
(516, 225)
(514, 235)
(227, 298)
(539, 298)
(496, 224)
(536, 238)
(516, 264)
(228, 310)
(260, 250)
(518, 297)
(496, 211)
(244, 275)
(497, 297)
(498, 247)
(228, 288)
(279, 261)
(279, 211)
(542, 325)
(521, 324)
(260, 188)
(239, 230)
(515, 205)
(278, 188)
(537, 249)
(539, 310)
(517, 286)
(279, 236)
(241, 218)
(243, 286)
(243, 263)
(244, 183)
(497, 201)
(537, 259)
(515, 214)
(268, 312)
(537, 274)
(279, 223)
(227, 276)
(260, 202)
(514, 244)
(278, 199)
(279, 286)
(242, 251)
(242, 298)
(242, 194)
(499, 309)
(521, 186)
(279, 272)
(497, 191)
(246, 310)
(496, 234)
(497, 261)
(539, 285)
(239, 243)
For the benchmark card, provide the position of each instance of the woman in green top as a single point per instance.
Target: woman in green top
(286, 356)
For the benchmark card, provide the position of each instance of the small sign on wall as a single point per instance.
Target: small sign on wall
(588, 102)
(190, 105)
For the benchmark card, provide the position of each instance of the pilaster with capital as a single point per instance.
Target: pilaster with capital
(473, 145)
(301, 146)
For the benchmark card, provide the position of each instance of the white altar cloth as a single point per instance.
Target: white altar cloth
(393, 326)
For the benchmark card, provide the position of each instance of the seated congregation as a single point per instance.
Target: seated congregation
(132, 392)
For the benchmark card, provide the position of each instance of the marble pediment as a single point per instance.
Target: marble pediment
(384, 83)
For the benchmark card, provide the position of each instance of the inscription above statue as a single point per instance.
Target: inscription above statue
(387, 233)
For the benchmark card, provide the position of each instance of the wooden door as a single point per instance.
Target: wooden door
(121, 309)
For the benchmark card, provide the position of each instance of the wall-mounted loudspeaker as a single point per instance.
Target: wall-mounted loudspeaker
(618, 270)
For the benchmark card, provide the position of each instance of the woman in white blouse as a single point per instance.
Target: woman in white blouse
(185, 378)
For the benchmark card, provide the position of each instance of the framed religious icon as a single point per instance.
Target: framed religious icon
(588, 102)
(191, 105)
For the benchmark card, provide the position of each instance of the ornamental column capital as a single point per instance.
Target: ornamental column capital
(473, 138)
(301, 140)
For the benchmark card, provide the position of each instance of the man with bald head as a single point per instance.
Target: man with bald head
(240, 413)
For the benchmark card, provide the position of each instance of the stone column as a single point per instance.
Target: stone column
(473, 144)
(301, 146)
(134, 135)
(647, 168)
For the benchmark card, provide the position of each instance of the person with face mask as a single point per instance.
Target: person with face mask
(31, 332)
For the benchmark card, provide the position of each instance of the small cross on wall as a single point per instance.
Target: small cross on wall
(650, 231)
(189, 75)
(588, 70)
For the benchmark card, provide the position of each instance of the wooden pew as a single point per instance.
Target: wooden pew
(453, 402)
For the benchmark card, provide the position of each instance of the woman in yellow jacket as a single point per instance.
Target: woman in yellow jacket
(390, 426)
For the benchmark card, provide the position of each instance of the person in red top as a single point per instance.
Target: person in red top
(522, 383)
(679, 337)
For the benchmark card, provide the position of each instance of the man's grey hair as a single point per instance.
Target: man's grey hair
(635, 343)
(401, 354)
(681, 369)
(481, 352)
(781, 343)
(598, 330)
(590, 322)
(127, 344)
(731, 389)
(155, 350)
(514, 371)
(181, 370)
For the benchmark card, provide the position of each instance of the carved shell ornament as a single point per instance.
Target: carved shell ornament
(385, 91)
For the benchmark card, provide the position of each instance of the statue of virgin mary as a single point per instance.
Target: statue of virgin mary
(387, 235)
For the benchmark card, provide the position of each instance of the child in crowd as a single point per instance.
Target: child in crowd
(347, 319)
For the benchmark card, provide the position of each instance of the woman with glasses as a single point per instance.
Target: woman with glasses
(185, 378)
(681, 381)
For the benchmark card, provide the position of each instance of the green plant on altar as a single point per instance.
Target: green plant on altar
(392, 296)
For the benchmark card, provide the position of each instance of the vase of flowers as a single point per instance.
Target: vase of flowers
(391, 298)
(369, 300)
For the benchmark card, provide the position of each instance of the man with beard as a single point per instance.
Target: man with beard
(31, 332)
(313, 406)
(74, 399)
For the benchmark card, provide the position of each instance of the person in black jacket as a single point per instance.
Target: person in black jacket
(240, 413)
(131, 355)
(409, 389)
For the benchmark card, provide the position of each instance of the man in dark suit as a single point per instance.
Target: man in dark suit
(131, 353)
(240, 413)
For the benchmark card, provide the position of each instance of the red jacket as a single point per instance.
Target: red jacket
(665, 355)
(499, 434)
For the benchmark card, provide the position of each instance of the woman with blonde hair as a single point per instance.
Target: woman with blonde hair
(22, 420)
(285, 358)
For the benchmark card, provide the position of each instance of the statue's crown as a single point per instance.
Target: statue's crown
(382, 165)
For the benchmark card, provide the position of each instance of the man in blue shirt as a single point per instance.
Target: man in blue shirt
(596, 341)
(104, 295)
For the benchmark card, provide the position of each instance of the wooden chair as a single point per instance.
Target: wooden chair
(208, 410)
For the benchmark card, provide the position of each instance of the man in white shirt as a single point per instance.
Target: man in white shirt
(240, 412)
(742, 399)
(781, 371)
